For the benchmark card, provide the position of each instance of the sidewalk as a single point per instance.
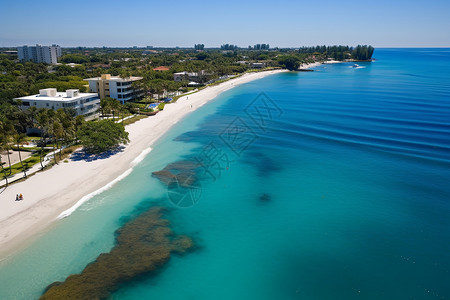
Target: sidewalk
(37, 167)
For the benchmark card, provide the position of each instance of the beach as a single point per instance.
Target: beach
(55, 193)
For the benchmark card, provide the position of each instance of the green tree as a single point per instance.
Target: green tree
(102, 135)
(67, 126)
(78, 122)
(31, 113)
(115, 107)
(19, 139)
(131, 107)
(104, 107)
(43, 123)
(7, 133)
(57, 131)
(110, 105)
(3, 169)
(289, 62)
(3, 147)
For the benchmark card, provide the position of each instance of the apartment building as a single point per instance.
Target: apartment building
(39, 54)
(115, 87)
(84, 104)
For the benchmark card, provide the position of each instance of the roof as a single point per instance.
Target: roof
(161, 68)
(101, 66)
(60, 96)
(115, 78)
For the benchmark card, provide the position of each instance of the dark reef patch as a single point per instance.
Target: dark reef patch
(184, 171)
(264, 164)
(182, 181)
(188, 136)
(143, 245)
(265, 198)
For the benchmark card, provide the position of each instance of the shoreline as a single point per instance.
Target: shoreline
(308, 66)
(57, 192)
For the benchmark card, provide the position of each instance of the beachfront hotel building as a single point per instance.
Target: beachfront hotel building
(85, 104)
(115, 87)
(39, 54)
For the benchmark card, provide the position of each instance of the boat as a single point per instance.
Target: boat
(355, 66)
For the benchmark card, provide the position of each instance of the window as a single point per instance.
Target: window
(26, 103)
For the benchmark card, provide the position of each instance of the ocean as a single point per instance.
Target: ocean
(330, 184)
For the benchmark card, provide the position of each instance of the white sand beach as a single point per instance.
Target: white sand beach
(309, 65)
(316, 64)
(50, 193)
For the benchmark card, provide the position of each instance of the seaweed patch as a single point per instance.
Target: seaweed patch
(143, 245)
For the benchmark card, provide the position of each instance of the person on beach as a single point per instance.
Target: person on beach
(20, 197)
(17, 197)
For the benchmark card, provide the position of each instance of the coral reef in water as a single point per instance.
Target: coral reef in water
(143, 245)
(265, 198)
(183, 171)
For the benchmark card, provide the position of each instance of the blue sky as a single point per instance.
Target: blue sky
(394, 23)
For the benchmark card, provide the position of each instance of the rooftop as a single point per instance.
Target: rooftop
(52, 95)
(161, 68)
(114, 78)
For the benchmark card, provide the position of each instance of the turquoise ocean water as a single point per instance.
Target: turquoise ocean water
(331, 184)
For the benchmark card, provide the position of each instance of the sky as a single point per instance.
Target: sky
(281, 23)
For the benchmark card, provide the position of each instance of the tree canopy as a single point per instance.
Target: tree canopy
(290, 62)
(103, 135)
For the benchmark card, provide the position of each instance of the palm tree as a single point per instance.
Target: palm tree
(6, 134)
(19, 139)
(2, 136)
(32, 112)
(67, 123)
(122, 110)
(42, 121)
(147, 99)
(56, 130)
(77, 123)
(112, 105)
(3, 170)
(130, 107)
(104, 105)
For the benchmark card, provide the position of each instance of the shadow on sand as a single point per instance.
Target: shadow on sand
(87, 156)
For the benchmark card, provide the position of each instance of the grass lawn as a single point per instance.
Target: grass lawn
(27, 163)
(133, 119)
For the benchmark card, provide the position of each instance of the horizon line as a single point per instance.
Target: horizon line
(218, 47)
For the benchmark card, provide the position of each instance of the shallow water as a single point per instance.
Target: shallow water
(329, 185)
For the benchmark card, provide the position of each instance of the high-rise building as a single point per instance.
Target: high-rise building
(40, 54)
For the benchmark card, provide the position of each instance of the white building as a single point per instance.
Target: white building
(83, 103)
(40, 54)
(258, 65)
(115, 87)
(181, 76)
(200, 77)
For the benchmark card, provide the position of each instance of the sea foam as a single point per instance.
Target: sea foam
(109, 185)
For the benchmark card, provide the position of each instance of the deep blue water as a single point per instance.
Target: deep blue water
(330, 184)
